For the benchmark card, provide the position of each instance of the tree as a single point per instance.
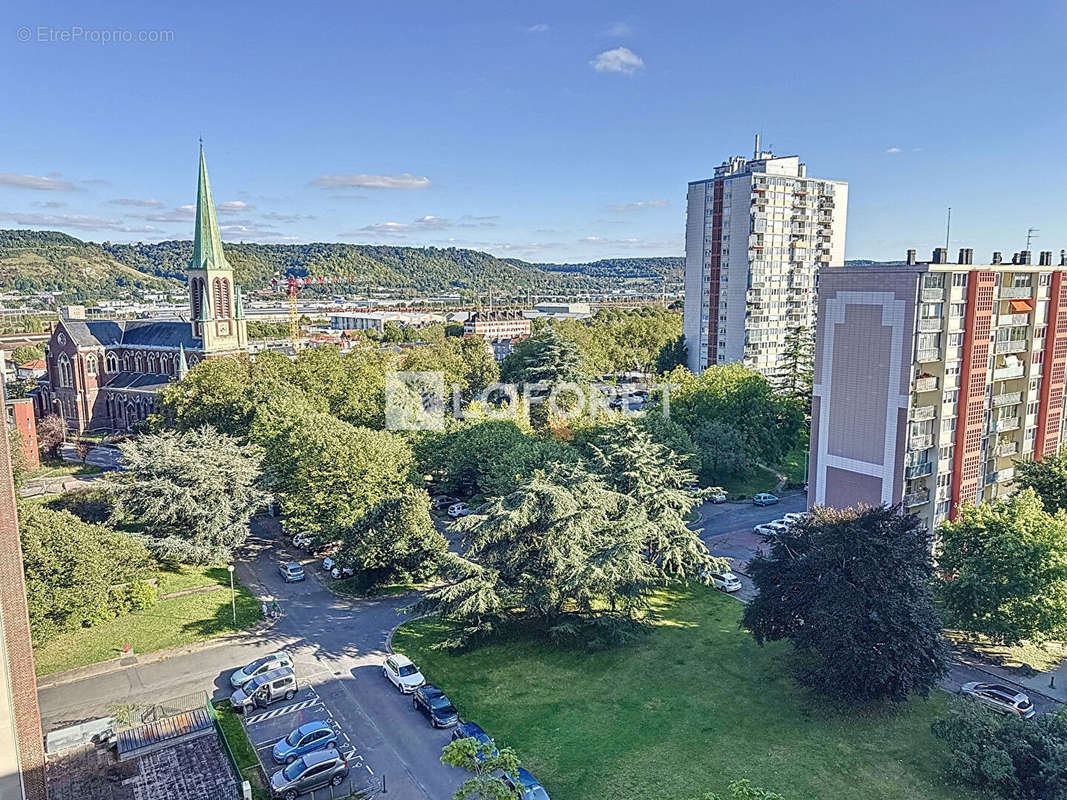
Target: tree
(27, 352)
(325, 472)
(562, 555)
(1047, 477)
(190, 494)
(478, 758)
(395, 540)
(724, 450)
(851, 589)
(1007, 756)
(20, 467)
(797, 367)
(1004, 568)
(672, 354)
(51, 433)
(633, 464)
(71, 568)
(546, 357)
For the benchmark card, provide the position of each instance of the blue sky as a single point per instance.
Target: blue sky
(547, 131)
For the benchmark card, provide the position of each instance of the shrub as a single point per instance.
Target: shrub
(141, 595)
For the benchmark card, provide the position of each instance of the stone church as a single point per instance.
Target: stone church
(103, 374)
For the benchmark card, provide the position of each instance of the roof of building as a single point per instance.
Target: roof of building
(143, 333)
(207, 242)
(496, 316)
(37, 363)
(136, 381)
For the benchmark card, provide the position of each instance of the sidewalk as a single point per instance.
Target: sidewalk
(1034, 684)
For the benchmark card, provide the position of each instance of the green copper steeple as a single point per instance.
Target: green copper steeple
(207, 242)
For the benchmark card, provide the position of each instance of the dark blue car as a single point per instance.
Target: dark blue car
(526, 785)
(308, 738)
(472, 730)
(432, 702)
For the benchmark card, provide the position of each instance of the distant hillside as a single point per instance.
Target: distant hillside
(671, 267)
(48, 261)
(424, 269)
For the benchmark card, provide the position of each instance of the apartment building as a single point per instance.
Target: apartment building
(932, 379)
(757, 235)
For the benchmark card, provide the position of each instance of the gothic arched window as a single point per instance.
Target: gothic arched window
(127, 362)
(112, 362)
(90, 364)
(63, 367)
(138, 363)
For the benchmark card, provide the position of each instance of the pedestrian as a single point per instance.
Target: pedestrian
(263, 608)
(274, 608)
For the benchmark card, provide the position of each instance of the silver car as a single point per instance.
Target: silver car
(1002, 699)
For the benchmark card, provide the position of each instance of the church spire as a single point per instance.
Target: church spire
(183, 365)
(239, 304)
(207, 242)
(205, 306)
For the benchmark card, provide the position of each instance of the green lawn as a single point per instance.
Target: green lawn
(688, 710)
(244, 754)
(169, 623)
(760, 480)
(63, 469)
(1040, 657)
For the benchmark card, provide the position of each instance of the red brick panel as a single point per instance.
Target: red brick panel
(1050, 411)
(974, 376)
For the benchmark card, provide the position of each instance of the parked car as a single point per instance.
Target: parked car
(342, 572)
(403, 674)
(261, 665)
(525, 785)
(1000, 698)
(717, 494)
(793, 516)
(770, 529)
(432, 702)
(321, 768)
(725, 581)
(458, 510)
(764, 499)
(291, 571)
(270, 687)
(442, 501)
(692, 488)
(472, 730)
(302, 540)
(308, 738)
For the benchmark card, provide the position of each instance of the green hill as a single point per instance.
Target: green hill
(627, 269)
(48, 261)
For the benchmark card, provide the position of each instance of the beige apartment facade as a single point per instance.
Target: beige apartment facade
(932, 379)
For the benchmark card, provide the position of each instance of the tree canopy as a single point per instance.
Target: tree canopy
(851, 589)
(190, 495)
(1004, 568)
(485, 766)
(546, 357)
(1047, 477)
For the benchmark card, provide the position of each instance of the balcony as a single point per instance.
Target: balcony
(917, 498)
(926, 384)
(1004, 424)
(930, 325)
(932, 295)
(922, 413)
(1006, 449)
(928, 356)
(1016, 292)
(921, 442)
(1000, 476)
(919, 470)
(1013, 320)
(1007, 399)
(1012, 346)
(1009, 373)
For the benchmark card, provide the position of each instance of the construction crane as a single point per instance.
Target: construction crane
(293, 285)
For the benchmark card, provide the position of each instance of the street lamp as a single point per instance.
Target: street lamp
(233, 596)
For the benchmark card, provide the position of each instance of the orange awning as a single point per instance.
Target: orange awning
(1021, 306)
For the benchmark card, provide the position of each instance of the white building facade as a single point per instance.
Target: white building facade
(757, 234)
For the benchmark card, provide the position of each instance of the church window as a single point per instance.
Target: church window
(138, 363)
(112, 362)
(90, 364)
(63, 366)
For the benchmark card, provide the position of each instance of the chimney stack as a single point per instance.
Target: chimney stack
(1063, 258)
(940, 255)
(998, 257)
(1014, 258)
(966, 256)
(1024, 257)
(911, 257)
(1045, 259)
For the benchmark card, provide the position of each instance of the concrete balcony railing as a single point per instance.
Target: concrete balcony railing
(1016, 292)
(1007, 399)
(1006, 449)
(919, 470)
(928, 356)
(917, 498)
(921, 442)
(1000, 476)
(1004, 424)
(1009, 373)
(932, 295)
(930, 325)
(1012, 346)
(926, 384)
(922, 413)
(1013, 320)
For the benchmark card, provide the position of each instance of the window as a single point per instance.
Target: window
(959, 278)
(955, 340)
(957, 309)
(1044, 279)
(952, 396)
(1031, 434)
(934, 280)
(63, 367)
(948, 424)
(112, 362)
(90, 364)
(930, 310)
(1032, 408)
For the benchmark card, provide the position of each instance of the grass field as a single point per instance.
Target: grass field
(691, 708)
(169, 623)
(244, 754)
(1040, 657)
(63, 469)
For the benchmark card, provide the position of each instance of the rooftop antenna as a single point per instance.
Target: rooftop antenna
(1030, 236)
(948, 227)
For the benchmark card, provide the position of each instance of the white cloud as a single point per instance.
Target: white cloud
(893, 150)
(179, 214)
(403, 181)
(540, 27)
(49, 204)
(274, 216)
(618, 30)
(426, 223)
(134, 202)
(471, 221)
(82, 222)
(35, 182)
(232, 207)
(638, 205)
(622, 60)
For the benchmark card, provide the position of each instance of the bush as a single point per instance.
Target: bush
(89, 505)
(141, 595)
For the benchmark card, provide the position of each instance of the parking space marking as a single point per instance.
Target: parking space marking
(278, 712)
